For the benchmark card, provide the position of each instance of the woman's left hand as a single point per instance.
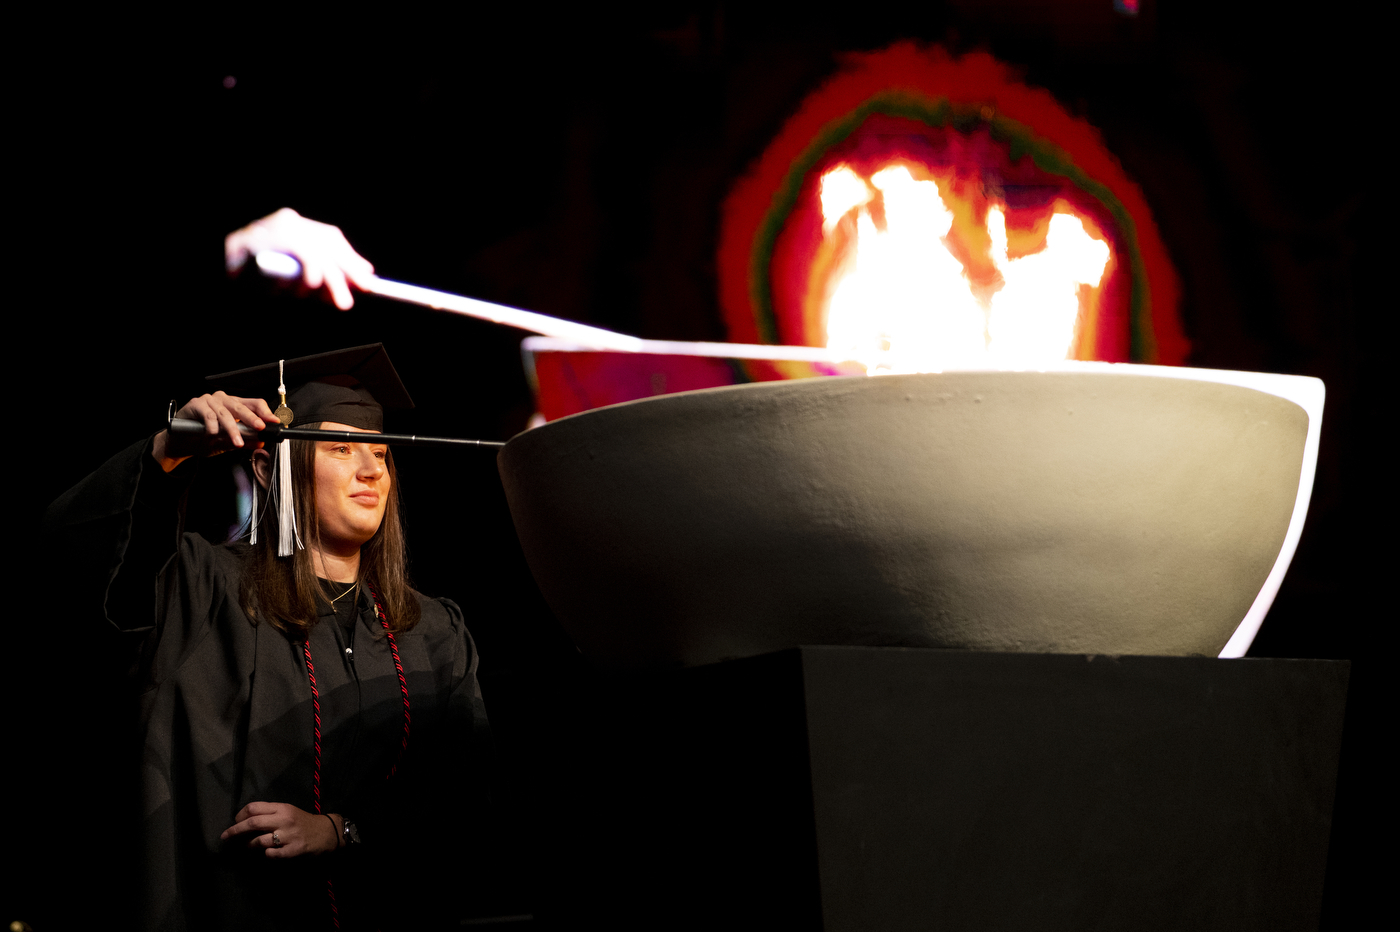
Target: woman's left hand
(283, 830)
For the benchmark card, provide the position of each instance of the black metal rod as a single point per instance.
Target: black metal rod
(275, 432)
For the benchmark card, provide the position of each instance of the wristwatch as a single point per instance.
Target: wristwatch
(351, 833)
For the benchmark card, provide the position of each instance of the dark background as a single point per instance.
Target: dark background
(573, 162)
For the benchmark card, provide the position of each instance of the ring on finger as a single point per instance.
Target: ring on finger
(276, 842)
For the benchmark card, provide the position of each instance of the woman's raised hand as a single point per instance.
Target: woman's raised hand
(221, 415)
(329, 264)
(283, 830)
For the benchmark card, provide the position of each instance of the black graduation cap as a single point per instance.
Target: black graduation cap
(347, 386)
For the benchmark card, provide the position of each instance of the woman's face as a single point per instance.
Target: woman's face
(352, 490)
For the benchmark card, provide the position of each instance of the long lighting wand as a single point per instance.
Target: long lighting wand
(283, 267)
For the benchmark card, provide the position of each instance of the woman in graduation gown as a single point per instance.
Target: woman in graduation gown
(311, 729)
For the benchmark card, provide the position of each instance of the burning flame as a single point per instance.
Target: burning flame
(906, 303)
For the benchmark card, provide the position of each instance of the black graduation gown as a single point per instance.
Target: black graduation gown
(226, 718)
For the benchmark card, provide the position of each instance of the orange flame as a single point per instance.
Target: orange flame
(901, 300)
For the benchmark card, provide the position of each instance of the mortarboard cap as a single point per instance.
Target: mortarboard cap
(348, 386)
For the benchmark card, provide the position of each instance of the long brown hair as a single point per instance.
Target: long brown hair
(283, 590)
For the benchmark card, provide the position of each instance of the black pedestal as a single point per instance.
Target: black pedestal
(887, 789)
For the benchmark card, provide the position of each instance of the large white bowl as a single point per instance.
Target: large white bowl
(1092, 508)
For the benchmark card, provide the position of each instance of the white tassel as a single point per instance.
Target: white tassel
(286, 506)
(253, 539)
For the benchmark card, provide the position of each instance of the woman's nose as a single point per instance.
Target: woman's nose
(369, 465)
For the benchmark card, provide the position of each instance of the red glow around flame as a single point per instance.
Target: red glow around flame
(990, 142)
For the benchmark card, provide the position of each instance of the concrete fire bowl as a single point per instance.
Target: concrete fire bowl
(1090, 509)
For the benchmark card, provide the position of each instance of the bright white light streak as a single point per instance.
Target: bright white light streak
(282, 266)
(584, 335)
(693, 348)
(563, 334)
(278, 265)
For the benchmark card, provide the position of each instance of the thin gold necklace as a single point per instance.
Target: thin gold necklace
(343, 595)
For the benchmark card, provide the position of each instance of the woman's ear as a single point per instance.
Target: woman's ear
(262, 467)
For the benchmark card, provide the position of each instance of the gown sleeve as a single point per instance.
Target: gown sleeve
(112, 534)
(104, 542)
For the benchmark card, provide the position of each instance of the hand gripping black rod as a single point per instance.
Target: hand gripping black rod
(275, 432)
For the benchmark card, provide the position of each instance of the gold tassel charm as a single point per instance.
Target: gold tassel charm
(283, 413)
